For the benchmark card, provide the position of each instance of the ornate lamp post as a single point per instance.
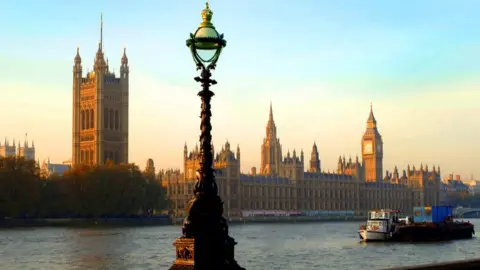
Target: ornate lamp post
(205, 243)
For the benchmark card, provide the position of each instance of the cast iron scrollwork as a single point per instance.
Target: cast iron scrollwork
(185, 254)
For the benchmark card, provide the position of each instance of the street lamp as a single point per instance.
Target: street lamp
(205, 243)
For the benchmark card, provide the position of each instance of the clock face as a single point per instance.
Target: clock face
(367, 148)
(379, 148)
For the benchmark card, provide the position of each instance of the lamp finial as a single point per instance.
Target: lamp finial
(207, 16)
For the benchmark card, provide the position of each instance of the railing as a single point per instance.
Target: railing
(258, 219)
(464, 265)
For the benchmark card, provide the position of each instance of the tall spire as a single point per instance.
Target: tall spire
(371, 122)
(101, 31)
(271, 128)
(100, 65)
(371, 117)
(271, 112)
(271, 148)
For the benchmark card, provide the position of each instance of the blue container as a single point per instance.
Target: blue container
(449, 211)
(437, 213)
(441, 212)
(418, 214)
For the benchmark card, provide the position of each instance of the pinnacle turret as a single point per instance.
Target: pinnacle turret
(78, 59)
(124, 57)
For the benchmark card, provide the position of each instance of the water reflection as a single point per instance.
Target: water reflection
(98, 248)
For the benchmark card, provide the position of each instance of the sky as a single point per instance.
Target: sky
(320, 63)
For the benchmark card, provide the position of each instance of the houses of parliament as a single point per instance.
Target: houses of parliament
(284, 183)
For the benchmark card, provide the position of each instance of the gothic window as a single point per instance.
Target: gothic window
(87, 119)
(110, 119)
(115, 158)
(105, 118)
(90, 125)
(82, 120)
(91, 156)
(92, 119)
(116, 120)
(82, 156)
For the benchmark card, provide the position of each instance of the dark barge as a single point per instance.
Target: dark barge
(442, 231)
(429, 224)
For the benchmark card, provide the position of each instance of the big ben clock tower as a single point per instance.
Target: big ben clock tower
(372, 151)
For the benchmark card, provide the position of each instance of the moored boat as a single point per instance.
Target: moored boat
(429, 224)
(380, 225)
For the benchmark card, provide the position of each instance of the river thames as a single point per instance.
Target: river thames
(330, 245)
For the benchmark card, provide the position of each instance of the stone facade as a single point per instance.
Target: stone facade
(100, 112)
(8, 149)
(283, 182)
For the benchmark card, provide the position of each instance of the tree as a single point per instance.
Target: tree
(85, 191)
(19, 187)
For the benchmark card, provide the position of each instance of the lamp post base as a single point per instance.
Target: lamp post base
(185, 255)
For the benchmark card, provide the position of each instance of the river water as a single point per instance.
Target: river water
(327, 245)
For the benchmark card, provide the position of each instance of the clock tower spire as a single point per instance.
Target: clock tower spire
(372, 150)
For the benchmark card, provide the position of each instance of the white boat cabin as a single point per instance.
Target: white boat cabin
(381, 220)
(383, 214)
